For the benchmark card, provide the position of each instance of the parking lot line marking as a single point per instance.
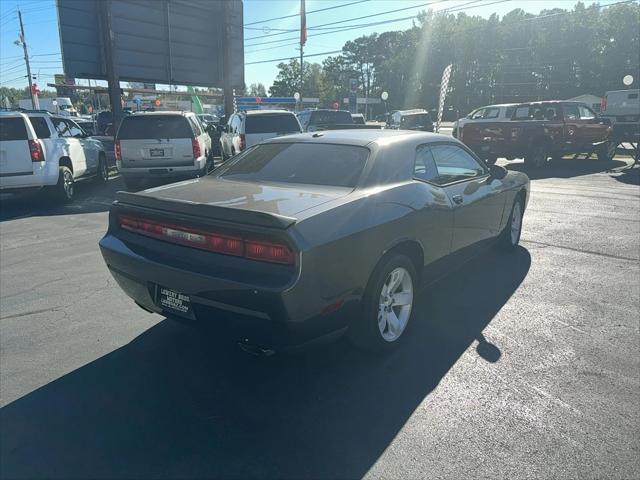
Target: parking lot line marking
(579, 250)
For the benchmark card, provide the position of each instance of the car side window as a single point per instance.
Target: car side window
(477, 114)
(40, 126)
(195, 126)
(491, 113)
(571, 112)
(522, 113)
(585, 113)
(425, 166)
(454, 164)
(61, 127)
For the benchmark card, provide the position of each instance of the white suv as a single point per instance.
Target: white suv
(161, 144)
(42, 150)
(246, 129)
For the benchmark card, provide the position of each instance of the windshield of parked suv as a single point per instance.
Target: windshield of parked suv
(416, 120)
(276, 123)
(330, 117)
(306, 163)
(154, 126)
(12, 129)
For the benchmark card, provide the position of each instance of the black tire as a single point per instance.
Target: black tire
(64, 190)
(537, 157)
(132, 184)
(506, 240)
(102, 175)
(364, 331)
(607, 151)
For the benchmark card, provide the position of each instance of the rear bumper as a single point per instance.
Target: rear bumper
(163, 171)
(247, 312)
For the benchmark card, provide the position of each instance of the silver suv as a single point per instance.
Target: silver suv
(161, 144)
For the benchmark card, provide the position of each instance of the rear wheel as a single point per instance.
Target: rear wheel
(387, 305)
(538, 156)
(103, 170)
(607, 151)
(510, 236)
(64, 190)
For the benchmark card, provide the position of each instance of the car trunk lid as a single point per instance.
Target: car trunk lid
(156, 153)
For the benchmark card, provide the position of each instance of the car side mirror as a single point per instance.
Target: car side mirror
(498, 172)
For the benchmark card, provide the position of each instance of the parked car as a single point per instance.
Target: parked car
(208, 119)
(489, 113)
(245, 129)
(622, 108)
(161, 144)
(39, 150)
(311, 235)
(417, 119)
(358, 118)
(103, 119)
(539, 130)
(87, 125)
(312, 120)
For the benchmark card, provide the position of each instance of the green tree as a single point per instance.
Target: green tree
(257, 90)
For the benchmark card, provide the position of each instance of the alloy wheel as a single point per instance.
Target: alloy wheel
(396, 300)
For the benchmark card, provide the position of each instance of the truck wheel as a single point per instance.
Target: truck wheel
(64, 190)
(132, 184)
(607, 151)
(538, 156)
(102, 174)
(386, 306)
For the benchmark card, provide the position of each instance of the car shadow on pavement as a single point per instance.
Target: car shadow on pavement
(91, 197)
(176, 403)
(629, 175)
(567, 168)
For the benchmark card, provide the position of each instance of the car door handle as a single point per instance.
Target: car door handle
(457, 199)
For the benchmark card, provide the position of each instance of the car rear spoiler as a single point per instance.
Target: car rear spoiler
(203, 210)
(349, 126)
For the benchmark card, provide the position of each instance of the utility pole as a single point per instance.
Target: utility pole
(301, 72)
(115, 98)
(26, 59)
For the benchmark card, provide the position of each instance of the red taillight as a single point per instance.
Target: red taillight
(603, 104)
(35, 149)
(211, 241)
(196, 148)
(268, 252)
(243, 142)
(117, 150)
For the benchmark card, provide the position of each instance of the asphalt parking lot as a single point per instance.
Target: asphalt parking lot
(516, 366)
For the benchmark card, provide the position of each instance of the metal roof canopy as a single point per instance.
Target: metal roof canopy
(178, 42)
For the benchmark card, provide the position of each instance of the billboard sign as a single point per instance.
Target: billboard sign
(154, 41)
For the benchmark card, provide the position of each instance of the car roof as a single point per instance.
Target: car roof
(251, 113)
(359, 137)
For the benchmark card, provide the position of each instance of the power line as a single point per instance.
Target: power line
(307, 13)
(289, 58)
(381, 22)
(12, 80)
(351, 19)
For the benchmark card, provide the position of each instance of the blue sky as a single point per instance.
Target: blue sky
(41, 30)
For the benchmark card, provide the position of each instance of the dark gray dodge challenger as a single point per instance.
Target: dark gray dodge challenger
(308, 236)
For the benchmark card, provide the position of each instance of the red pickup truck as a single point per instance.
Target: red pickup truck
(539, 131)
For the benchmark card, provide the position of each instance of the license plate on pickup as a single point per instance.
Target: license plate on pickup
(156, 152)
(174, 301)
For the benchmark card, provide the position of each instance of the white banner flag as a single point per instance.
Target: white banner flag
(444, 86)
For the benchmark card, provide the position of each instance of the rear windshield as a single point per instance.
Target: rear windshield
(305, 163)
(271, 124)
(331, 118)
(156, 126)
(417, 120)
(40, 126)
(12, 129)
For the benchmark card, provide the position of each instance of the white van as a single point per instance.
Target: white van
(41, 150)
(245, 129)
(161, 144)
